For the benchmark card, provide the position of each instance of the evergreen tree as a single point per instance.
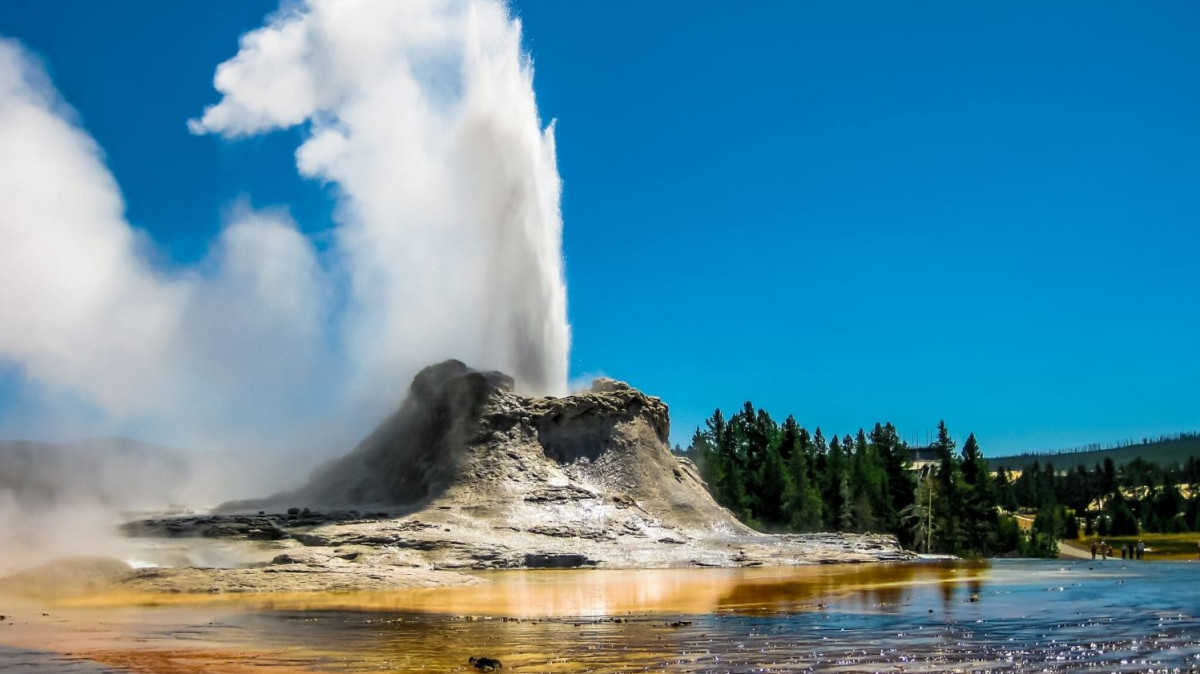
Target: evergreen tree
(808, 448)
(1166, 510)
(947, 507)
(831, 488)
(899, 479)
(1048, 488)
(1075, 493)
(980, 520)
(1005, 494)
(1049, 525)
(1119, 517)
(869, 482)
(801, 500)
(773, 482)
(751, 448)
(845, 520)
(781, 477)
(789, 439)
(728, 476)
(712, 463)
(820, 448)
(1008, 534)
(1109, 482)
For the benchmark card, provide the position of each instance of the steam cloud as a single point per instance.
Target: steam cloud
(420, 115)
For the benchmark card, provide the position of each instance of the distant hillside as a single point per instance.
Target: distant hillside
(111, 471)
(1163, 451)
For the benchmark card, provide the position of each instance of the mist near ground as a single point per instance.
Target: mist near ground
(66, 500)
(421, 119)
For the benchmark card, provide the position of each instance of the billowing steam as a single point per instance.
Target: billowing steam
(420, 115)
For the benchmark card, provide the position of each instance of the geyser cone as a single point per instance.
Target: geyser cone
(464, 437)
(415, 453)
(469, 474)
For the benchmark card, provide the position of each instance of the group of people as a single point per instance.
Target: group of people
(1128, 550)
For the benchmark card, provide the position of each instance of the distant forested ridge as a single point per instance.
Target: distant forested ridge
(109, 471)
(1164, 450)
(782, 477)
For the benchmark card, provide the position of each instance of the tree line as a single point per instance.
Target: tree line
(1064, 454)
(781, 477)
(1141, 496)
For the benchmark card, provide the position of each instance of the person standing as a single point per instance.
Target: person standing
(1141, 549)
(1093, 550)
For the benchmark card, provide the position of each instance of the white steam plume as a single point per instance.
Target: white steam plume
(423, 115)
(447, 240)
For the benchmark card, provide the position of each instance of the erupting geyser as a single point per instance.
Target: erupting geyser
(446, 242)
(423, 114)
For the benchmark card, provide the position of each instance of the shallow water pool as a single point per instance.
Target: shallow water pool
(1002, 615)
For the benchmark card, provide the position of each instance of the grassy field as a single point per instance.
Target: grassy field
(1164, 453)
(1159, 547)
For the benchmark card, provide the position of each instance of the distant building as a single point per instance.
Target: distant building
(920, 457)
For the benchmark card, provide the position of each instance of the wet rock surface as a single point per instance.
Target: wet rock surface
(469, 475)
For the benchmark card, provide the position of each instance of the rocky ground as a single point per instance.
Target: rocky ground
(469, 475)
(433, 547)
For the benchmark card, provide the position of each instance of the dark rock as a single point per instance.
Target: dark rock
(311, 540)
(484, 664)
(560, 493)
(556, 561)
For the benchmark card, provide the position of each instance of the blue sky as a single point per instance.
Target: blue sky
(982, 212)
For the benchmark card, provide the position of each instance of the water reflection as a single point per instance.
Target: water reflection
(593, 593)
(1018, 616)
(1008, 616)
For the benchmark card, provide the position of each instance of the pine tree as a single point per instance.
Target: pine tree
(980, 520)
(1005, 494)
(801, 501)
(947, 508)
(831, 487)
(845, 520)
(900, 485)
(851, 519)
(1109, 482)
(1049, 486)
(869, 481)
(773, 483)
(725, 477)
(712, 464)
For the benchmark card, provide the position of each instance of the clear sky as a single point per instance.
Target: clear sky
(854, 212)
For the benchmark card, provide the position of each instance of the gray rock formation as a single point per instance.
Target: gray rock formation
(471, 475)
(597, 460)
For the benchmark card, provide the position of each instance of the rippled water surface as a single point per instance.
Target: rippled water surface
(1004, 615)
